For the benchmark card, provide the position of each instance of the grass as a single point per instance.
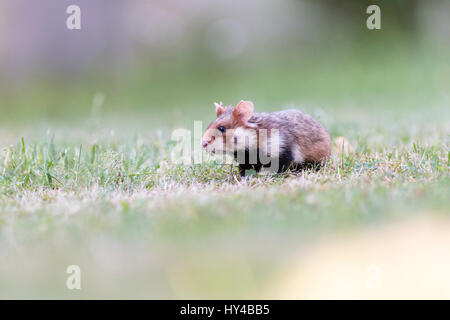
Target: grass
(141, 226)
(86, 176)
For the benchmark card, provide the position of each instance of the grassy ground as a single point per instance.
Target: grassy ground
(101, 192)
(141, 226)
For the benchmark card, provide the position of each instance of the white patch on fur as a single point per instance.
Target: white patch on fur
(216, 145)
(297, 154)
(271, 144)
(245, 138)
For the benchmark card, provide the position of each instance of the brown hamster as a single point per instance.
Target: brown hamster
(278, 140)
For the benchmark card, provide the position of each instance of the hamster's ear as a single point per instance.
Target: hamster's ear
(219, 108)
(243, 111)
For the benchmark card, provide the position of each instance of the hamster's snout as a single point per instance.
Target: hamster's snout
(205, 142)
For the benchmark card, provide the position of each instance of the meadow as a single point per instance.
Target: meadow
(93, 184)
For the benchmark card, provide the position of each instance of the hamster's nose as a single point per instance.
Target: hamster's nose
(204, 143)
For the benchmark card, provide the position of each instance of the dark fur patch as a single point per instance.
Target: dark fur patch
(285, 162)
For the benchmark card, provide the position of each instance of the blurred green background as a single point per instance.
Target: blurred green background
(170, 60)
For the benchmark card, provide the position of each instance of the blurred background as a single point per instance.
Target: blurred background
(170, 60)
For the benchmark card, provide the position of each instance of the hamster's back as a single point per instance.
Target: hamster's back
(307, 140)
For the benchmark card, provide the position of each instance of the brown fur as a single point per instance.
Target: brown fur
(303, 138)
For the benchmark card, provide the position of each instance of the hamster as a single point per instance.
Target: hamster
(279, 141)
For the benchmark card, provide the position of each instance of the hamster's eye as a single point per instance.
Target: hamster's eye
(222, 129)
